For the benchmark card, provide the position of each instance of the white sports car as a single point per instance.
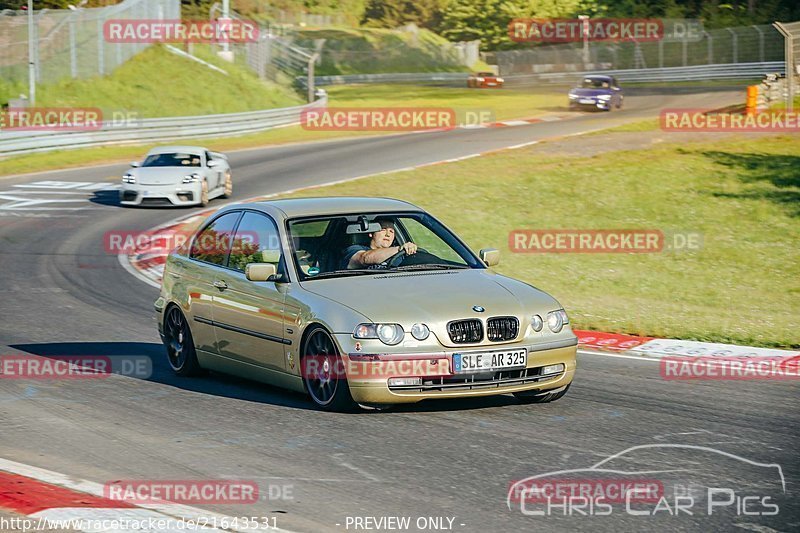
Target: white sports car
(177, 175)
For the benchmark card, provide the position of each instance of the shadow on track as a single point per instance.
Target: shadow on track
(217, 384)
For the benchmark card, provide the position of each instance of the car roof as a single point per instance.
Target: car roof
(331, 205)
(598, 76)
(177, 149)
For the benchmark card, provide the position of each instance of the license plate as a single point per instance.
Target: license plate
(491, 83)
(586, 101)
(488, 361)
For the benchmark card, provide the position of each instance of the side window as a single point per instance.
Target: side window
(213, 244)
(429, 241)
(208, 158)
(256, 241)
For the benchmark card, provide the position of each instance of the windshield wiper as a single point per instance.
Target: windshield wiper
(343, 272)
(431, 266)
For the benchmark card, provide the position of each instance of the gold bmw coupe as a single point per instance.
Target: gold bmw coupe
(358, 302)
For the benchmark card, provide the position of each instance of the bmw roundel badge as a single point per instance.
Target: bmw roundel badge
(478, 309)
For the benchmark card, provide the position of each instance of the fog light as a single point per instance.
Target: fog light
(402, 382)
(553, 369)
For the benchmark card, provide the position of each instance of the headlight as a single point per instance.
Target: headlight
(604, 97)
(390, 334)
(420, 331)
(479, 80)
(564, 317)
(500, 80)
(572, 95)
(128, 178)
(555, 321)
(191, 178)
(537, 323)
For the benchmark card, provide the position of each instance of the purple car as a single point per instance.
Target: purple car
(597, 92)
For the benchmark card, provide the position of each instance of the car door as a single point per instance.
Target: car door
(248, 316)
(215, 178)
(207, 255)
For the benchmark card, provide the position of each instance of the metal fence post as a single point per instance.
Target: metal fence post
(73, 53)
(710, 48)
(32, 44)
(790, 72)
(310, 81)
(100, 55)
(760, 43)
(734, 45)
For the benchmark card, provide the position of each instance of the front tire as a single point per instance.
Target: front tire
(541, 397)
(323, 373)
(204, 194)
(178, 340)
(228, 190)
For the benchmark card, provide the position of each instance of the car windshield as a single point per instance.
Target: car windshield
(595, 83)
(486, 74)
(172, 159)
(323, 247)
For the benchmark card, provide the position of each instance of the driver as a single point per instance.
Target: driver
(379, 250)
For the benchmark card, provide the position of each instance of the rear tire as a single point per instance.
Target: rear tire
(204, 194)
(541, 397)
(328, 390)
(228, 188)
(181, 354)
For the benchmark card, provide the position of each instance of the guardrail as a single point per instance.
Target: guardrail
(727, 71)
(153, 129)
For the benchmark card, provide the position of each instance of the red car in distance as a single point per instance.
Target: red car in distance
(485, 80)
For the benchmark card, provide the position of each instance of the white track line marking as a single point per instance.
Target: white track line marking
(166, 509)
(619, 355)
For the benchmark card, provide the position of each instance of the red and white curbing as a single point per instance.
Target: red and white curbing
(651, 348)
(56, 501)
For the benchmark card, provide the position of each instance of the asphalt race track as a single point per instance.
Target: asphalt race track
(62, 294)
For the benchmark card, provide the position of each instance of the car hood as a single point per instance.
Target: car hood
(580, 91)
(434, 297)
(162, 175)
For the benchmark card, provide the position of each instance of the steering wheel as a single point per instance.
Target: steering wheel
(395, 260)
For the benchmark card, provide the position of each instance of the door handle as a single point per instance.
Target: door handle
(221, 285)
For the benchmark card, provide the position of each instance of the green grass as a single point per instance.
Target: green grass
(743, 195)
(638, 126)
(158, 83)
(505, 104)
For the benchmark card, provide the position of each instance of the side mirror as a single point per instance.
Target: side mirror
(213, 163)
(490, 256)
(134, 164)
(260, 271)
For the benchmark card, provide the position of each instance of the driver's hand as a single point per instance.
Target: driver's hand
(410, 248)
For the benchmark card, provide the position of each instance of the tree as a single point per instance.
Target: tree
(394, 13)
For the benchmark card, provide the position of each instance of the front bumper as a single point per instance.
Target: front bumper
(369, 383)
(172, 194)
(594, 104)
